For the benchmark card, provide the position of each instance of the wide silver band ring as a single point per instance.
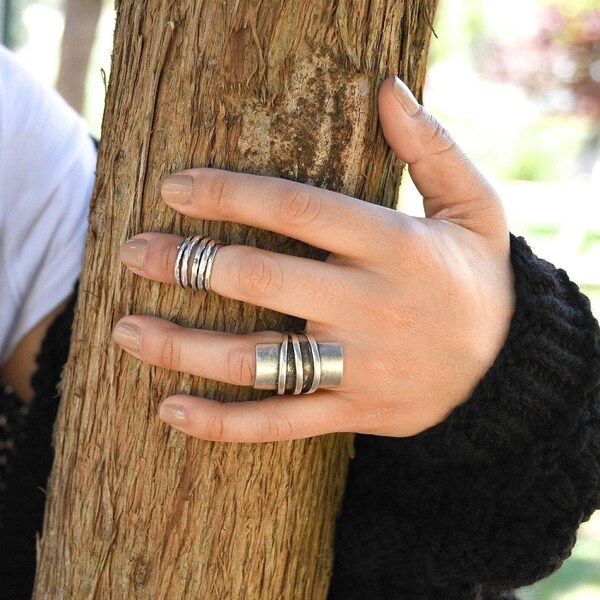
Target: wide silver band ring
(297, 366)
(194, 262)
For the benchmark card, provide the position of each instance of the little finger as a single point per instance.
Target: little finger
(274, 419)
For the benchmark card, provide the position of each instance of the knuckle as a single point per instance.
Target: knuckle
(221, 191)
(215, 427)
(170, 353)
(440, 140)
(240, 366)
(300, 207)
(276, 428)
(259, 274)
(377, 417)
(401, 315)
(391, 368)
(414, 248)
(168, 259)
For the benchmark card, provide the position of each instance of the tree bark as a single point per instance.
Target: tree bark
(136, 509)
(81, 21)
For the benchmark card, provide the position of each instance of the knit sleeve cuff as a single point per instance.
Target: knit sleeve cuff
(543, 382)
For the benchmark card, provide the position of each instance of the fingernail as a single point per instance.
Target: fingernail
(173, 414)
(133, 253)
(177, 189)
(127, 336)
(405, 97)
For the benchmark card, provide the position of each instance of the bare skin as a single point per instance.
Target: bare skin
(423, 306)
(21, 366)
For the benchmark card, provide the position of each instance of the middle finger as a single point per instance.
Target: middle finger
(301, 287)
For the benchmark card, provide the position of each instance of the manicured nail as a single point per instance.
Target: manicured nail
(177, 189)
(133, 253)
(127, 336)
(173, 414)
(405, 97)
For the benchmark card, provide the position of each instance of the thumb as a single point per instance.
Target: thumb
(452, 187)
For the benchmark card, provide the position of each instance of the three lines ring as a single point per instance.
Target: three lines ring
(298, 367)
(194, 262)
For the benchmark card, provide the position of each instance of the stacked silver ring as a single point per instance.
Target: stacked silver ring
(194, 262)
(298, 367)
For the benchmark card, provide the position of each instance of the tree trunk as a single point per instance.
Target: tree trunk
(81, 21)
(136, 509)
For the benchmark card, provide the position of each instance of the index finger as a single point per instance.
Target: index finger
(328, 220)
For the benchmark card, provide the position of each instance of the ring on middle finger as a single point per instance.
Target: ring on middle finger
(194, 262)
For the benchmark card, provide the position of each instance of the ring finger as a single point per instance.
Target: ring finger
(224, 357)
(216, 355)
(305, 288)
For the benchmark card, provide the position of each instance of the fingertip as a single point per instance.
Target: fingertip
(174, 412)
(151, 255)
(386, 85)
(177, 188)
(385, 99)
(122, 321)
(404, 97)
(394, 94)
(127, 335)
(132, 253)
(399, 115)
(200, 418)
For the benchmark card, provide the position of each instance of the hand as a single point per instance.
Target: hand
(421, 306)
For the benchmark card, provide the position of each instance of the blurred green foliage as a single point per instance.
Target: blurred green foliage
(573, 8)
(553, 67)
(542, 147)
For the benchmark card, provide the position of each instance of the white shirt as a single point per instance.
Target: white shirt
(47, 163)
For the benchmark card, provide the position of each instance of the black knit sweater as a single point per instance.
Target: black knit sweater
(483, 503)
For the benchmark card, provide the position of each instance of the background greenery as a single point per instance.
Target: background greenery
(518, 84)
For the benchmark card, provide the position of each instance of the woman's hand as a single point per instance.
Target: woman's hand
(421, 307)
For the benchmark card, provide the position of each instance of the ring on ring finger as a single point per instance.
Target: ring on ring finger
(296, 363)
(298, 367)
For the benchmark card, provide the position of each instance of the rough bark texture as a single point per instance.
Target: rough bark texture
(136, 509)
(81, 20)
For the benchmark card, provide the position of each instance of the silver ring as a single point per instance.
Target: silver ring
(194, 262)
(308, 367)
(185, 261)
(209, 265)
(316, 357)
(195, 270)
(282, 369)
(299, 367)
(179, 260)
(207, 260)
